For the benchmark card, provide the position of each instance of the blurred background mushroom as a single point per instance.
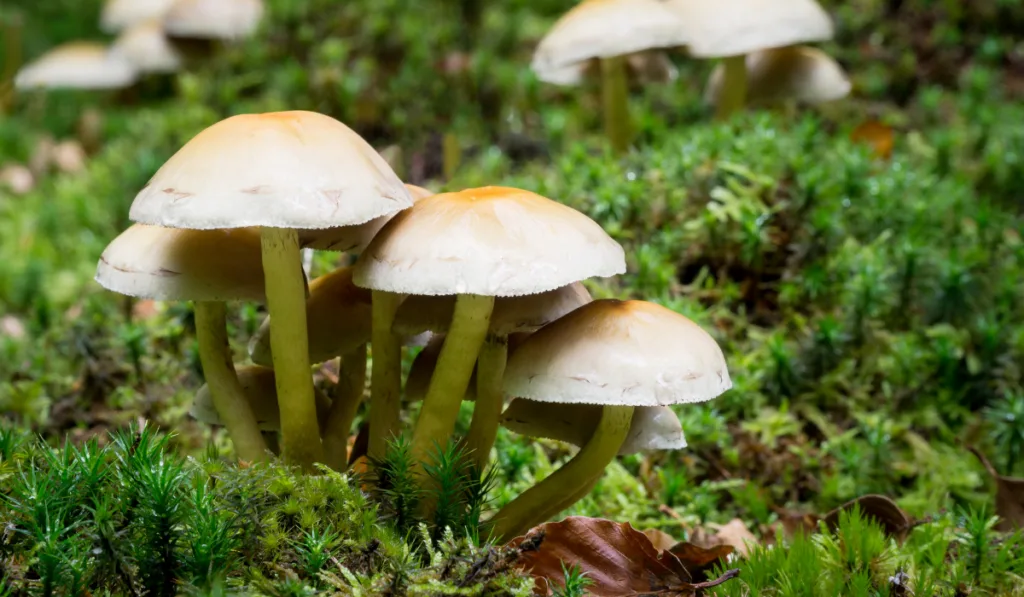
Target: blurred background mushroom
(794, 73)
(78, 65)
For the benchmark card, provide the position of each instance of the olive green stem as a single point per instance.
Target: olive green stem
(286, 302)
(452, 153)
(347, 397)
(490, 370)
(228, 396)
(734, 87)
(385, 375)
(521, 513)
(615, 99)
(448, 384)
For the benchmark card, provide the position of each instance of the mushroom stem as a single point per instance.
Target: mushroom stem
(347, 397)
(273, 442)
(385, 374)
(615, 98)
(734, 86)
(518, 515)
(286, 301)
(489, 400)
(452, 153)
(448, 385)
(225, 390)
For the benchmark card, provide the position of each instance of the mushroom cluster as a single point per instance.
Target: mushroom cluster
(494, 276)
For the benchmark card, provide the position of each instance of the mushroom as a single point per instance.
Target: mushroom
(510, 315)
(146, 46)
(118, 15)
(260, 391)
(730, 29)
(353, 238)
(78, 65)
(618, 355)
(797, 73)
(478, 244)
(281, 171)
(607, 30)
(213, 19)
(207, 267)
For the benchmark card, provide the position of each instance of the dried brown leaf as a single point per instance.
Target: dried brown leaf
(1009, 496)
(736, 535)
(660, 539)
(894, 521)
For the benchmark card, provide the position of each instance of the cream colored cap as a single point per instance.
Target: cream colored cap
(338, 320)
(618, 352)
(527, 313)
(281, 169)
(79, 65)
(734, 27)
(177, 265)
(652, 427)
(492, 241)
(796, 73)
(353, 238)
(258, 385)
(603, 29)
(146, 46)
(122, 14)
(214, 19)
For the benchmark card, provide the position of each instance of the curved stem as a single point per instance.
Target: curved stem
(489, 400)
(615, 99)
(385, 375)
(347, 397)
(286, 301)
(448, 385)
(734, 87)
(519, 515)
(226, 391)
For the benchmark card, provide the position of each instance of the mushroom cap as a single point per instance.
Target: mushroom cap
(338, 319)
(213, 19)
(174, 265)
(526, 313)
(604, 29)
(258, 385)
(122, 14)
(281, 169)
(491, 241)
(353, 238)
(610, 352)
(796, 72)
(643, 68)
(146, 46)
(735, 27)
(652, 427)
(78, 65)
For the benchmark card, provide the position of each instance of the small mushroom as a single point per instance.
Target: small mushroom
(119, 15)
(78, 65)
(281, 171)
(794, 73)
(477, 244)
(146, 47)
(618, 355)
(213, 19)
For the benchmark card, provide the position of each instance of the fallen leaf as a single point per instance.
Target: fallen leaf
(894, 521)
(736, 535)
(660, 539)
(618, 560)
(1009, 496)
(879, 136)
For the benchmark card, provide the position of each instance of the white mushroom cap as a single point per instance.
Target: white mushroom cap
(527, 313)
(652, 427)
(492, 241)
(214, 19)
(121, 14)
(353, 238)
(796, 73)
(648, 66)
(146, 46)
(338, 319)
(172, 264)
(735, 27)
(604, 29)
(260, 391)
(79, 65)
(282, 169)
(611, 352)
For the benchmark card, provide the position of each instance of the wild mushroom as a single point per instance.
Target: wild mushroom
(118, 15)
(608, 30)
(730, 29)
(616, 354)
(146, 47)
(478, 244)
(78, 65)
(793, 73)
(510, 315)
(213, 19)
(282, 171)
(207, 267)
